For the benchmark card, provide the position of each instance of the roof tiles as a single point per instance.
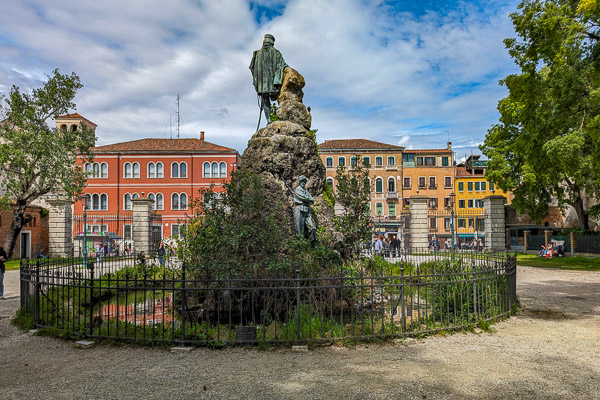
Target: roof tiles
(358, 144)
(187, 145)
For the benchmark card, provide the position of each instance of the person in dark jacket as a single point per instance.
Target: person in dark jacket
(3, 258)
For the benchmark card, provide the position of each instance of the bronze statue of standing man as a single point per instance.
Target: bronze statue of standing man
(302, 218)
(267, 67)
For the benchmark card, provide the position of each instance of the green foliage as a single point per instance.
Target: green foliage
(23, 320)
(572, 263)
(235, 236)
(547, 142)
(273, 116)
(353, 194)
(35, 159)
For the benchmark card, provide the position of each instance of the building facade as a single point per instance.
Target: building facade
(171, 172)
(471, 187)
(385, 174)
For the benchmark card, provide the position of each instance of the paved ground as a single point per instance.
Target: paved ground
(551, 350)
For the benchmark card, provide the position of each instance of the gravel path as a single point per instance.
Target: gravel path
(551, 350)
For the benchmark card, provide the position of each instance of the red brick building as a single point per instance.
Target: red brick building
(33, 236)
(169, 171)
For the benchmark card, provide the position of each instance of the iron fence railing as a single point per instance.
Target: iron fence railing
(139, 300)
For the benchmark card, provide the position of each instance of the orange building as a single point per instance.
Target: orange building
(169, 171)
(396, 174)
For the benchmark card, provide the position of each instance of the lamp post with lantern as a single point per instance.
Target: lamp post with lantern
(84, 203)
(452, 199)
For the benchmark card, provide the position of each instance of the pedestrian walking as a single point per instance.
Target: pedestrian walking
(3, 258)
(161, 253)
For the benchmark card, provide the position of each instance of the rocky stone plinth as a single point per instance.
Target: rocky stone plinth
(283, 150)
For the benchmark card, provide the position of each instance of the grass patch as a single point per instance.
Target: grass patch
(572, 263)
(12, 265)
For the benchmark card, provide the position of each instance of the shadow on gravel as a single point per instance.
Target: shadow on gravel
(557, 299)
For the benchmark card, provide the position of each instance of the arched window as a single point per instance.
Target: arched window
(136, 170)
(174, 201)
(88, 170)
(215, 170)
(96, 170)
(379, 161)
(159, 170)
(368, 209)
(330, 183)
(392, 209)
(151, 170)
(342, 161)
(104, 201)
(127, 201)
(127, 170)
(73, 128)
(329, 161)
(206, 170)
(378, 209)
(159, 201)
(391, 161)
(95, 202)
(151, 197)
(135, 196)
(104, 170)
(223, 170)
(183, 201)
(353, 162)
(175, 170)
(63, 127)
(378, 185)
(89, 201)
(391, 184)
(183, 170)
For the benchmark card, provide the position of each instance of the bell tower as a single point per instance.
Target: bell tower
(73, 121)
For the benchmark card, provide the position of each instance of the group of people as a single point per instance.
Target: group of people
(386, 246)
(553, 249)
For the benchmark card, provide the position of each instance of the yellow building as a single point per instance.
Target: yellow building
(471, 188)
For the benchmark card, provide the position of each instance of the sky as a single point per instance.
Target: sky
(414, 73)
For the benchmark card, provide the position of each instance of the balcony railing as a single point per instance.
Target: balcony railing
(392, 195)
(391, 167)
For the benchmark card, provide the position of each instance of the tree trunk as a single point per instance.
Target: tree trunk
(19, 218)
(582, 217)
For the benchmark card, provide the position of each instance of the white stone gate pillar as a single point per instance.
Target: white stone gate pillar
(60, 228)
(142, 224)
(418, 223)
(495, 223)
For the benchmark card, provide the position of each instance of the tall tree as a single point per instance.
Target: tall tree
(36, 160)
(353, 195)
(547, 142)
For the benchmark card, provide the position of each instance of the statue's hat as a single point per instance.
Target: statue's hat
(269, 37)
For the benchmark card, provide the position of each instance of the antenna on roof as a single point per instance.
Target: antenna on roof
(170, 126)
(178, 119)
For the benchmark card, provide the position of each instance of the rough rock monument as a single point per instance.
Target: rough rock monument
(286, 149)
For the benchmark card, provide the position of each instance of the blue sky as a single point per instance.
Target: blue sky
(411, 73)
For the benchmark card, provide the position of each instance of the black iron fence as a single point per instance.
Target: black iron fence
(109, 234)
(127, 298)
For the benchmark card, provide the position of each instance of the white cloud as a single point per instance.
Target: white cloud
(372, 71)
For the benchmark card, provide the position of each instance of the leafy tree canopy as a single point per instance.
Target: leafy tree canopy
(353, 194)
(547, 141)
(36, 160)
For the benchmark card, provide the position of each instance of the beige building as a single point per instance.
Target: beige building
(385, 174)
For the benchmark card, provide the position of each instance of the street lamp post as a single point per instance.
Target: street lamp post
(84, 203)
(452, 198)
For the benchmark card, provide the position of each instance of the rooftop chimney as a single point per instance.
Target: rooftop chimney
(449, 145)
(202, 135)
